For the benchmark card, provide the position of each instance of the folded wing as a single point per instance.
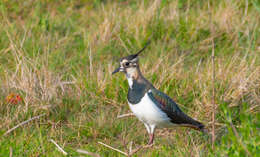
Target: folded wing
(167, 105)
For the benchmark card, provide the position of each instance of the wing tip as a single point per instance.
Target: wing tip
(197, 126)
(202, 128)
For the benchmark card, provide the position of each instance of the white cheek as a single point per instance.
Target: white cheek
(130, 71)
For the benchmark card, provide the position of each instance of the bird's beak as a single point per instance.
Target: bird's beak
(116, 70)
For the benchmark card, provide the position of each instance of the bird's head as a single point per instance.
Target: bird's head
(129, 64)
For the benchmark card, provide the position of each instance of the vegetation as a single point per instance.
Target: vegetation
(56, 59)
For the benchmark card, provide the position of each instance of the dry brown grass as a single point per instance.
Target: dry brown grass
(81, 97)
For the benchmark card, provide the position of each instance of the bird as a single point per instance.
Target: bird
(151, 106)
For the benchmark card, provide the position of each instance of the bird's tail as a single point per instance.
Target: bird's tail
(196, 125)
(202, 128)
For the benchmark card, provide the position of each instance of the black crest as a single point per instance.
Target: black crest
(131, 57)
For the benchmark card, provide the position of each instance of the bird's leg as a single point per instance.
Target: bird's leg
(151, 137)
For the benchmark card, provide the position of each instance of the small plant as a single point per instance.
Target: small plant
(13, 98)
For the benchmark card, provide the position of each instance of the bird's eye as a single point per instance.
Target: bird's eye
(127, 64)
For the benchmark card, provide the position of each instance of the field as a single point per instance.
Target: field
(56, 60)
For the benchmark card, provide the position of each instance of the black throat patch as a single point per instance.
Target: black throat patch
(137, 92)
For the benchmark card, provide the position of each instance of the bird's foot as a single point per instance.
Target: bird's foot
(148, 145)
(139, 148)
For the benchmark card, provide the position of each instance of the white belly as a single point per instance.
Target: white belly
(147, 112)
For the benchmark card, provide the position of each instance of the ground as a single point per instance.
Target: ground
(56, 60)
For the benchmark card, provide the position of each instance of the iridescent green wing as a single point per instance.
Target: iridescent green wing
(167, 105)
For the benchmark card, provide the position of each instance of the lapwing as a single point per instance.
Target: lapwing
(151, 106)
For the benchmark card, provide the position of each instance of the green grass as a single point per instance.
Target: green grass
(59, 55)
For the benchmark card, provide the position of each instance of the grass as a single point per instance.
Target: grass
(58, 57)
